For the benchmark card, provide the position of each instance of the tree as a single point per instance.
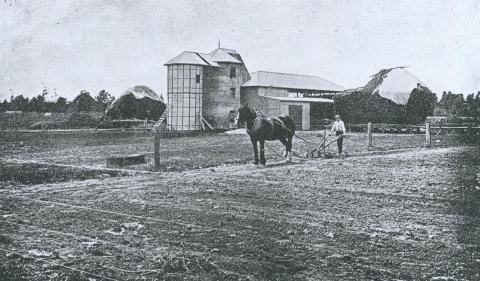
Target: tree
(477, 104)
(452, 104)
(470, 106)
(61, 105)
(19, 103)
(38, 103)
(84, 102)
(4, 106)
(421, 104)
(104, 99)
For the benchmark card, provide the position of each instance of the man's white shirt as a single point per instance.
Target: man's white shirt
(338, 126)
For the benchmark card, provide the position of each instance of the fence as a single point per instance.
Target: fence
(208, 150)
(432, 133)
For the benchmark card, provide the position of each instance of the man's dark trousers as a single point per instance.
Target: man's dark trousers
(340, 141)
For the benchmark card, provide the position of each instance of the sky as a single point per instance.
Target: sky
(70, 46)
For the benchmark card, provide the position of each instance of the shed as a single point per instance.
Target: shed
(305, 98)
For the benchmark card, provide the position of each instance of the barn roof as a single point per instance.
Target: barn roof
(291, 81)
(300, 99)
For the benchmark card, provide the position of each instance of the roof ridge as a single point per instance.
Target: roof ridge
(203, 59)
(276, 72)
(225, 49)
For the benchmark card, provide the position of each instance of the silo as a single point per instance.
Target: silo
(184, 91)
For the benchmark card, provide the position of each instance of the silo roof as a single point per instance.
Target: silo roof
(211, 59)
(193, 59)
(225, 55)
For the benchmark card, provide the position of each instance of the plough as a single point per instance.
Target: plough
(320, 149)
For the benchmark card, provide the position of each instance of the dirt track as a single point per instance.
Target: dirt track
(404, 216)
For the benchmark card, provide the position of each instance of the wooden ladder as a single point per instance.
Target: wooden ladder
(160, 121)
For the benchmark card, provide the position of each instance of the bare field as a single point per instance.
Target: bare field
(409, 215)
(91, 148)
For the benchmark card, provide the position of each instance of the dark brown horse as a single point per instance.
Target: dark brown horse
(261, 129)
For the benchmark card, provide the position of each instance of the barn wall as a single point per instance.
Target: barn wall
(256, 97)
(253, 96)
(218, 101)
(305, 112)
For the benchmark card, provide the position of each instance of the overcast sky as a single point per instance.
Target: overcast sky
(114, 45)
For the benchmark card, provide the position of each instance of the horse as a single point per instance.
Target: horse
(261, 129)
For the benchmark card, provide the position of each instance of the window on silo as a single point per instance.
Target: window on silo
(232, 92)
(197, 78)
(233, 72)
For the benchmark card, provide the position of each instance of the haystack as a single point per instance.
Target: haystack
(395, 84)
(139, 102)
(393, 95)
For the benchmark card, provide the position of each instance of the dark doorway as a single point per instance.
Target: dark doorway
(320, 114)
(295, 112)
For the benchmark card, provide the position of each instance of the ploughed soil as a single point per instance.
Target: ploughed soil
(89, 149)
(408, 215)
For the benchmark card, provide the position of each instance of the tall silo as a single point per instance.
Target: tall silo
(184, 97)
(184, 90)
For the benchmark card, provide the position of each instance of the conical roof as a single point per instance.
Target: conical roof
(193, 58)
(211, 59)
(395, 84)
(225, 55)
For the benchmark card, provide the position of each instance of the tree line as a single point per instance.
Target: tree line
(84, 102)
(421, 103)
(458, 105)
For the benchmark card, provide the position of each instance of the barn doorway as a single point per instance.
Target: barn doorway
(321, 115)
(295, 112)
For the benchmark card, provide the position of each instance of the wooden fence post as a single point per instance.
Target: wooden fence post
(369, 132)
(427, 135)
(325, 133)
(156, 148)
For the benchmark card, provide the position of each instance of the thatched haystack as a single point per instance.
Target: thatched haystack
(393, 95)
(139, 102)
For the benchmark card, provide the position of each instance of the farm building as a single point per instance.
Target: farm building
(307, 99)
(204, 85)
(213, 85)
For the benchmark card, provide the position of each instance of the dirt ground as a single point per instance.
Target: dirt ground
(91, 148)
(406, 215)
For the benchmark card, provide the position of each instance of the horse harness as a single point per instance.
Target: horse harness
(269, 120)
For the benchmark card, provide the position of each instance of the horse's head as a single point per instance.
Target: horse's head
(244, 114)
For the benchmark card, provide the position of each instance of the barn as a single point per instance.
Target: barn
(307, 99)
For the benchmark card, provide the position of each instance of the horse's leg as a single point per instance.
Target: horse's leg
(284, 141)
(262, 153)
(289, 149)
(255, 151)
